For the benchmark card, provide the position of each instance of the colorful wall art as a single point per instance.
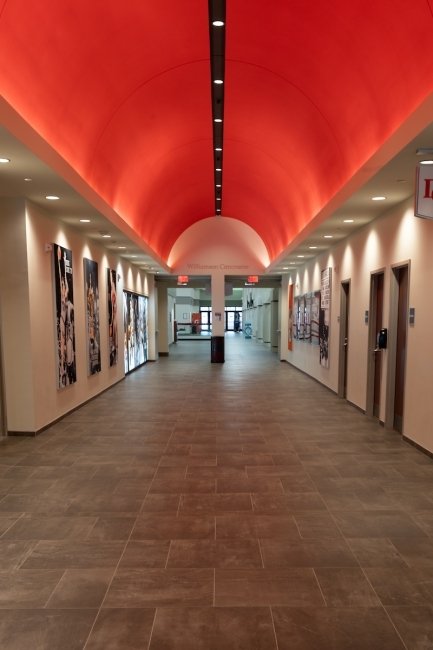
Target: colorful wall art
(113, 339)
(93, 344)
(65, 316)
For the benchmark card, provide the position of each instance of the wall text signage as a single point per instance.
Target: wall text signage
(424, 192)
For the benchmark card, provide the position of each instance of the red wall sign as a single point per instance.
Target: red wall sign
(182, 278)
(253, 278)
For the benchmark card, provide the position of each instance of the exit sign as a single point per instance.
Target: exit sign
(183, 279)
(253, 278)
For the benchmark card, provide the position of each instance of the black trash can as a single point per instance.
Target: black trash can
(217, 349)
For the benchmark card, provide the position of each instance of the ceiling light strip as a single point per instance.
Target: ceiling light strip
(217, 34)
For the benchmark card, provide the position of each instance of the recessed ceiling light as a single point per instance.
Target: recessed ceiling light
(312, 247)
(218, 198)
(52, 198)
(28, 179)
(301, 255)
(217, 119)
(218, 169)
(348, 221)
(285, 268)
(107, 236)
(85, 220)
(133, 255)
(4, 160)
(379, 198)
(292, 262)
(218, 149)
(218, 23)
(218, 81)
(218, 186)
(121, 247)
(151, 268)
(157, 272)
(422, 162)
(327, 236)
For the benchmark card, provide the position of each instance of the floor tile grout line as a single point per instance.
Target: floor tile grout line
(273, 626)
(96, 521)
(261, 554)
(151, 631)
(13, 524)
(392, 623)
(117, 566)
(389, 539)
(168, 554)
(54, 590)
(320, 588)
(383, 607)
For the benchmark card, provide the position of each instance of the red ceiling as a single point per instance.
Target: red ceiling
(122, 92)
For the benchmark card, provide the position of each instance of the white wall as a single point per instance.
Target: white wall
(260, 316)
(30, 410)
(14, 292)
(394, 238)
(171, 300)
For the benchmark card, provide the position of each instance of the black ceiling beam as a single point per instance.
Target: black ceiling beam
(217, 34)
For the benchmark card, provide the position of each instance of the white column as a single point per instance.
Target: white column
(162, 319)
(218, 304)
(152, 320)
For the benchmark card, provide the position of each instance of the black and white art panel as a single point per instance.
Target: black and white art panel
(66, 370)
(324, 317)
(135, 330)
(113, 339)
(91, 287)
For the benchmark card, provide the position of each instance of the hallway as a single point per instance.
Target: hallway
(197, 506)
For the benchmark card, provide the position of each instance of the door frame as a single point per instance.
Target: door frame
(3, 414)
(392, 343)
(371, 344)
(343, 336)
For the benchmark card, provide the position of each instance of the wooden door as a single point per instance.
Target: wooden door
(378, 355)
(400, 366)
(346, 289)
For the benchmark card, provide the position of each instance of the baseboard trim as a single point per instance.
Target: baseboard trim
(423, 450)
(27, 434)
(33, 434)
(163, 354)
(334, 392)
(355, 406)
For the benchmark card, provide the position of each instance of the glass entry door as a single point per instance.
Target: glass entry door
(230, 321)
(206, 319)
(233, 316)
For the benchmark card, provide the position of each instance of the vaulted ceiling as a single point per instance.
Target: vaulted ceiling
(122, 90)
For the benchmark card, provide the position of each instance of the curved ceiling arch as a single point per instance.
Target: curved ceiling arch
(255, 204)
(130, 96)
(122, 93)
(295, 87)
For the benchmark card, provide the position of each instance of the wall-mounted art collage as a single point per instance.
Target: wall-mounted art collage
(135, 320)
(113, 338)
(290, 339)
(309, 318)
(134, 330)
(93, 342)
(65, 316)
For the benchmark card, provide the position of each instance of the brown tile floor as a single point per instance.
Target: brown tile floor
(216, 507)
